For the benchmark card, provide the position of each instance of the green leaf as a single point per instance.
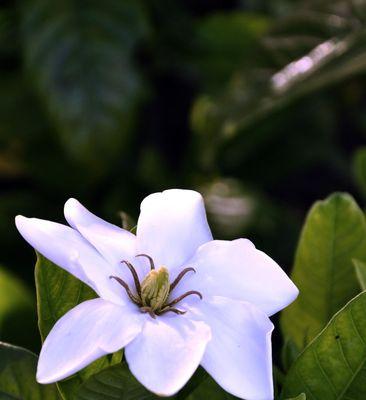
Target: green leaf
(113, 383)
(333, 366)
(17, 310)
(117, 382)
(18, 376)
(57, 293)
(209, 389)
(197, 379)
(360, 268)
(359, 169)
(334, 233)
(79, 56)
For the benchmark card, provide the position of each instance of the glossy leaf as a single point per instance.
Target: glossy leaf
(57, 293)
(333, 366)
(18, 376)
(334, 233)
(360, 268)
(79, 56)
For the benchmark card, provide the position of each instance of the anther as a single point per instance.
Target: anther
(183, 296)
(135, 276)
(179, 277)
(152, 265)
(171, 309)
(126, 287)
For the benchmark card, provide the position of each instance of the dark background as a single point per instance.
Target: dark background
(108, 101)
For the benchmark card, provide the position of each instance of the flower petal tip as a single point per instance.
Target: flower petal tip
(21, 222)
(70, 205)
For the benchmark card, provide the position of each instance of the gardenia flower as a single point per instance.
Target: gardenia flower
(172, 296)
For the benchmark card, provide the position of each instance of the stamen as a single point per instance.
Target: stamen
(126, 287)
(159, 282)
(183, 296)
(149, 311)
(179, 277)
(171, 309)
(135, 276)
(152, 265)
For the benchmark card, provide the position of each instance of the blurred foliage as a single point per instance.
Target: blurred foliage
(17, 303)
(259, 105)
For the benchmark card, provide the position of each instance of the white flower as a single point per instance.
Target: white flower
(221, 323)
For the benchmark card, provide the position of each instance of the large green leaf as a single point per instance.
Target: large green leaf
(57, 293)
(333, 366)
(334, 233)
(18, 376)
(114, 383)
(79, 56)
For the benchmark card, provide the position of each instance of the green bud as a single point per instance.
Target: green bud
(155, 288)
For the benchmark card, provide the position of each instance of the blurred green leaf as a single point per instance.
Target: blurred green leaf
(360, 268)
(17, 310)
(79, 56)
(18, 376)
(333, 366)
(57, 293)
(113, 383)
(226, 41)
(320, 45)
(301, 396)
(127, 221)
(359, 168)
(334, 233)
(289, 354)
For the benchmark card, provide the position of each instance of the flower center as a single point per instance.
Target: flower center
(152, 294)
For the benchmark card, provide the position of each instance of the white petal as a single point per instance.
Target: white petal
(114, 243)
(68, 249)
(167, 352)
(172, 225)
(239, 271)
(90, 330)
(239, 354)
